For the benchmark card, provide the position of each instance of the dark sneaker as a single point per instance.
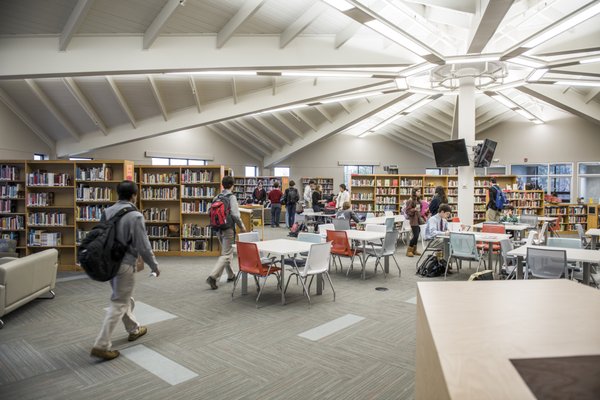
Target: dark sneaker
(212, 282)
(142, 330)
(231, 279)
(104, 354)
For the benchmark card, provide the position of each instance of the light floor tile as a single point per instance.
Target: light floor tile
(159, 365)
(331, 327)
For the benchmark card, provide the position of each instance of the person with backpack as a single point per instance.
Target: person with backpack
(496, 202)
(290, 199)
(224, 216)
(130, 231)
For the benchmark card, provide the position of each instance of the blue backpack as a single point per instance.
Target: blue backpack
(500, 199)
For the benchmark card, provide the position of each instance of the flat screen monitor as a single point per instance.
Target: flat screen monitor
(486, 154)
(451, 153)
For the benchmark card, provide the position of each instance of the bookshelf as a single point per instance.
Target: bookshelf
(386, 193)
(12, 203)
(568, 215)
(244, 186)
(326, 185)
(362, 192)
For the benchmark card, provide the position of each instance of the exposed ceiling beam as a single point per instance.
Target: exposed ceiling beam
(487, 117)
(426, 119)
(234, 90)
(461, 6)
(158, 97)
(242, 139)
(301, 23)
(488, 21)
(304, 118)
(324, 113)
(569, 101)
(425, 143)
(121, 100)
(159, 22)
(85, 104)
(344, 106)
(39, 132)
(256, 132)
(271, 128)
(591, 95)
(236, 143)
(341, 123)
(346, 34)
(73, 23)
(434, 134)
(258, 137)
(423, 139)
(494, 121)
(281, 118)
(56, 113)
(249, 7)
(195, 92)
(403, 141)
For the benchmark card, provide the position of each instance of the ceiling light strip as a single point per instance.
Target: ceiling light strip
(514, 106)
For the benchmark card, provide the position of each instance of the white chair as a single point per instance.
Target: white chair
(375, 228)
(463, 246)
(390, 224)
(388, 249)
(575, 269)
(405, 231)
(388, 213)
(323, 228)
(581, 233)
(370, 215)
(316, 263)
(422, 235)
(541, 236)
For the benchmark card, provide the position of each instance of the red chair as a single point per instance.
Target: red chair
(455, 219)
(250, 262)
(491, 228)
(340, 247)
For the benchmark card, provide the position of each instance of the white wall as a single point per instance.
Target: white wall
(190, 142)
(17, 141)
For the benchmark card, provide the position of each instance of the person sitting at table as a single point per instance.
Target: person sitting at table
(437, 224)
(509, 216)
(347, 213)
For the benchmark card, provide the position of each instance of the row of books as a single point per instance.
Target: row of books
(194, 245)
(160, 245)
(166, 178)
(41, 238)
(391, 191)
(526, 203)
(156, 214)
(564, 210)
(362, 182)
(94, 193)
(103, 173)
(44, 178)
(362, 196)
(195, 191)
(577, 220)
(166, 193)
(90, 213)
(192, 176)
(195, 230)
(8, 206)
(387, 182)
(16, 191)
(40, 199)
(157, 230)
(362, 207)
(9, 173)
(198, 206)
(385, 208)
(386, 200)
(524, 195)
(9, 236)
(411, 182)
(47, 218)
(16, 222)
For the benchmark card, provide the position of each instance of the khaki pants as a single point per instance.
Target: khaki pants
(121, 307)
(226, 238)
(493, 215)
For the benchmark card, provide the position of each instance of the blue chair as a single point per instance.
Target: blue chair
(463, 247)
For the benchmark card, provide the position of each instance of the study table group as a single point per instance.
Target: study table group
(292, 248)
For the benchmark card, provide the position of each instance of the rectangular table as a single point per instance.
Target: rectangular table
(381, 220)
(585, 256)
(282, 248)
(364, 237)
(467, 333)
(516, 228)
(594, 233)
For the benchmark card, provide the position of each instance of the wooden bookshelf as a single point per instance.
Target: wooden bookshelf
(362, 192)
(12, 204)
(244, 186)
(326, 184)
(386, 193)
(568, 216)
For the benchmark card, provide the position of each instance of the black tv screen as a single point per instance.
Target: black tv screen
(486, 154)
(451, 153)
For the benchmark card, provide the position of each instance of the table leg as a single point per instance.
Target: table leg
(594, 243)
(319, 284)
(519, 267)
(244, 283)
(490, 254)
(363, 259)
(587, 271)
(282, 280)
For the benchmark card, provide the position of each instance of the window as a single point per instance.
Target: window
(433, 171)
(39, 156)
(176, 161)
(553, 178)
(356, 169)
(531, 176)
(589, 181)
(251, 171)
(80, 159)
(281, 171)
(560, 181)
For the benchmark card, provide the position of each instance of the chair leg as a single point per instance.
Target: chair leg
(235, 281)
(306, 290)
(262, 287)
(330, 284)
(288, 282)
(397, 265)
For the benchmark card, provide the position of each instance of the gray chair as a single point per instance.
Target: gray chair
(546, 263)
(581, 233)
(390, 224)
(387, 250)
(509, 263)
(575, 269)
(341, 224)
(463, 247)
(531, 220)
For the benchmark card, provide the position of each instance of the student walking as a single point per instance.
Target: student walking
(130, 229)
(290, 199)
(413, 211)
(226, 236)
(493, 213)
(275, 199)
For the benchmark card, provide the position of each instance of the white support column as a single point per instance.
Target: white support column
(466, 130)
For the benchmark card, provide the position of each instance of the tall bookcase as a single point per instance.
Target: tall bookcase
(244, 186)
(386, 193)
(326, 184)
(12, 203)
(362, 194)
(568, 215)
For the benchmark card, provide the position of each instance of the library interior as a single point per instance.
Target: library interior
(432, 165)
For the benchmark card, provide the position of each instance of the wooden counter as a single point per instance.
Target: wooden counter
(467, 332)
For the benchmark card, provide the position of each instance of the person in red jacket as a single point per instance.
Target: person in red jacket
(275, 198)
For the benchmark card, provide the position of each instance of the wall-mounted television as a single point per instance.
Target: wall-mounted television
(486, 154)
(451, 153)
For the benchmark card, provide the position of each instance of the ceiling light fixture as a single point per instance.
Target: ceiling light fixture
(500, 98)
(537, 74)
(589, 60)
(505, 101)
(526, 62)
(526, 114)
(401, 83)
(471, 60)
(341, 5)
(354, 96)
(397, 37)
(578, 83)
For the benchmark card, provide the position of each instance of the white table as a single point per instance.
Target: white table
(381, 220)
(486, 237)
(585, 256)
(283, 248)
(464, 350)
(516, 228)
(594, 233)
(364, 237)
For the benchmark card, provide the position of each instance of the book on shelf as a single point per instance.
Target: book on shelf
(160, 245)
(14, 222)
(102, 173)
(156, 214)
(163, 193)
(195, 230)
(12, 191)
(195, 176)
(198, 191)
(42, 238)
(47, 218)
(90, 212)
(93, 193)
(9, 173)
(170, 178)
(194, 245)
(198, 206)
(8, 206)
(43, 199)
(45, 178)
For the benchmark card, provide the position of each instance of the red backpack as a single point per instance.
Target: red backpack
(220, 212)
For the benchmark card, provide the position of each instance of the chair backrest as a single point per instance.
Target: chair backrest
(455, 219)
(375, 228)
(318, 259)
(248, 258)
(323, 228)
(463, 245)
(310, 237)
(505, 246)
(493, 228)
(341, 224)
(564, 242)
(370, 215)
(530, 237)
(339, 241)
(248, 237)
(388, 213)
(406, 225)
(390, 242)
(546, 263)
(581, 234)
(390, 223)
(542, 232)
(531, 220)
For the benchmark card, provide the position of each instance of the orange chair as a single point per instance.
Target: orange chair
(491, 228)
(250, 262)
(455, 219)
(340, 247)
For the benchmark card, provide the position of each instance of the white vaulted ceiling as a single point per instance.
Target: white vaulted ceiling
(275, 76)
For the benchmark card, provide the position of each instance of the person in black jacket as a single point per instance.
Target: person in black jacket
(438, 198)
(492, 212)
(259, 195)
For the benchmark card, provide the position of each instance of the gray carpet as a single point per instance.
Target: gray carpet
(237, 350)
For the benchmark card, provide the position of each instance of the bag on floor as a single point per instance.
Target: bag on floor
(297, 228)
(432, 266)
(487, 275)
(100, 253)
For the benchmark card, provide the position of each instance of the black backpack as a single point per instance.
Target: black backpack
(100, 253)
(432, 267)
(293, 196)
